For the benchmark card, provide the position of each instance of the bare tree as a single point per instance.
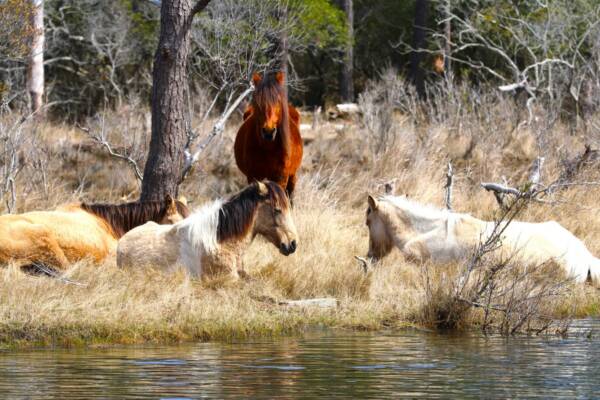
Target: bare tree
(35, 70)
(541, 52)
(165, 165)
(12, 140)
(232, 40)
(109, 37)
(229, 42)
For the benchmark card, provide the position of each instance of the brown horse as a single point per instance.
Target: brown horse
(77, 231)
(268, 144)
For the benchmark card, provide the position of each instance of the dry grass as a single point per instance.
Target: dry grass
(116, 306)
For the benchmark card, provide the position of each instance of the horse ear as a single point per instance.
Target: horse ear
(388, 187)
(372, 203)
(280, 77)
(256, 78)
(263, 190)
(171, 206)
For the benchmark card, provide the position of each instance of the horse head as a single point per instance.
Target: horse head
(380, 239)
(268, 103)
(175, 210)
(274, 218)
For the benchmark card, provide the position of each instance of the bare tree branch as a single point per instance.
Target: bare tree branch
(192, 157)
(100, 138)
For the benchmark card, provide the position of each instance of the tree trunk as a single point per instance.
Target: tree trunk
(35, 68)
(164, 167)
(448, 36)
(347, 82)
(416, 70)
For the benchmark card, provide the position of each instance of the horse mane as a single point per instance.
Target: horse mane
(417, 209)
(238, 213)
(268, 93)
(232, 219)
(121, 218)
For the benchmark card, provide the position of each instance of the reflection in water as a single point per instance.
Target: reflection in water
(325, 364)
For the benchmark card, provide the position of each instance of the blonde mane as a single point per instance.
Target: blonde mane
(424, 211)
(201, 227)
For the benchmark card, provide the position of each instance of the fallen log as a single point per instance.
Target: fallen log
(346, 110)
(325, 302)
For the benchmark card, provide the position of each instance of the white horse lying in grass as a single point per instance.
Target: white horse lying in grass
(212, 239)
(423, 232)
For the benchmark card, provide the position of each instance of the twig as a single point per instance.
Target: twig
(363, 263)
(218, 128)
(449, 185)
(52, 273)
(101, 140)
(497, 187)
(536, 172)
(10, 204)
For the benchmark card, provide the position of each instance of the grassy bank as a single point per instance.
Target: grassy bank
(341, 165)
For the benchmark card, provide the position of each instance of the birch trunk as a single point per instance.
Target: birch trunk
(35, 68)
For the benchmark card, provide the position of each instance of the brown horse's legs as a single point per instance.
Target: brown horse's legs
(291, 185)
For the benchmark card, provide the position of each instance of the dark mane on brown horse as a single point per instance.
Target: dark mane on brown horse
(124, 217)
(236, 215)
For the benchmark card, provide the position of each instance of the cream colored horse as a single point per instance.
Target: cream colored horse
(424, 232)
(75, 232)
(212, 239)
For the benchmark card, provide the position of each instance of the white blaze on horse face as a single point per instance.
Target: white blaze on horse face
(273, 116)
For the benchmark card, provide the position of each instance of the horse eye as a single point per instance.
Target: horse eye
(368, 210)
(277, 211)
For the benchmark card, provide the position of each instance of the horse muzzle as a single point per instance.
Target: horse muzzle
(269, 135)
(287, 249)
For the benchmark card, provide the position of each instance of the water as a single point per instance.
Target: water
(325, 364)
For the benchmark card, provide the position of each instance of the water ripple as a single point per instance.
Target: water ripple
(349, 365)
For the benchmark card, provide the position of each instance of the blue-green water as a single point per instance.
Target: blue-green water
(347, 365)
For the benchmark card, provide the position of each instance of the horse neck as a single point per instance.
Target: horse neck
(237, 221)
(421, 220)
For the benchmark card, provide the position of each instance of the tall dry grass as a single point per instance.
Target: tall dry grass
(485, 143)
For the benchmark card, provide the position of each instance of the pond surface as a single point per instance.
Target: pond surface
(360, 365)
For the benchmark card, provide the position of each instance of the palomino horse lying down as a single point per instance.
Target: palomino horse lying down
(212, 239)
(423, 232)
(77, 231)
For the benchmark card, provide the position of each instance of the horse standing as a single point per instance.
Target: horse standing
(77, 231)
(268, 144)
(422, 232)
(211, 241)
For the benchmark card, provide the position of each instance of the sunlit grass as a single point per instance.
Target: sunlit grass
(114, 306)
